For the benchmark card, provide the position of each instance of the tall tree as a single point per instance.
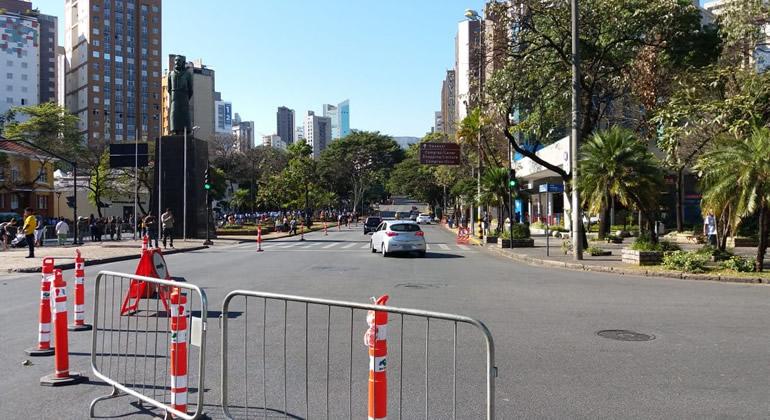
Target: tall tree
(738, 172)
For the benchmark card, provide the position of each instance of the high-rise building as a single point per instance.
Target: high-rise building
(761, 56)
(340, 117)
(299, 133)
(467, 66)
(223, 111)
(318, 132)
(20, 60)
(448, 105)
(47, 38)
(113, 84)
(202, 102)
(438, 122)
(332, 112)
(344, 115)
(273, 140)
(61, 70)
(244, 134)
(284, 124)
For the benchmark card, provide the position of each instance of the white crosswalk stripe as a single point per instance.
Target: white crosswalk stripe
(463, 247)
(351, 245)
(366, 246)
(331, 245)
(443, 246)
(289, 245)
(427, 247)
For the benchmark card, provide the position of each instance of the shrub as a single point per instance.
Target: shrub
(594, 251)
(644, 243)
(667, 246)
(739, 264)
(689, 262)
(520, 231)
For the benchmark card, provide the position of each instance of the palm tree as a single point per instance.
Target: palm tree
(737, 173)
(615, 165)
(494, 190)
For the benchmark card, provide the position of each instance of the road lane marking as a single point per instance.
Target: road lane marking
(427, 247)
(366, 246)
(290, 245)
(351, 245)
(463, 247)
(444, 246)
(333, 244)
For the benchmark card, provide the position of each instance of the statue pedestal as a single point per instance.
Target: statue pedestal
(170, 154)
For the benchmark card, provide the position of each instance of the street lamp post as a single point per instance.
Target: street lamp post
(577, 244)
(472, 15)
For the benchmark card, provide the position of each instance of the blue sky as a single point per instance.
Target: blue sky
(387, 57)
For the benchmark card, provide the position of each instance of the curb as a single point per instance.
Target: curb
(69, 266)
(619, 270)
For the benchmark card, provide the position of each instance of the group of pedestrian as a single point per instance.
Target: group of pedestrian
(98, 227)
(148, 226)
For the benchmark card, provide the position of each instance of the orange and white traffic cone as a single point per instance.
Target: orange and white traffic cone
(178, 351)
(79, 322)
(145, 243)
(376, 338)
(44, 326)
(259, 238)
(62, 375)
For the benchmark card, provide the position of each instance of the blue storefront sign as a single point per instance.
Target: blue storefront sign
(551, 188)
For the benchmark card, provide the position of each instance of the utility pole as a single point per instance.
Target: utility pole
(577, 244)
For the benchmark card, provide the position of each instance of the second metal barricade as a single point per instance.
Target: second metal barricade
(155, 350)
(300, 357)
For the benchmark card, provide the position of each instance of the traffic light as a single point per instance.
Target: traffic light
(513, 183)
(207, 179)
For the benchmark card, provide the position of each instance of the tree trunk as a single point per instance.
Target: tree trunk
(679, 200)
(763, 230)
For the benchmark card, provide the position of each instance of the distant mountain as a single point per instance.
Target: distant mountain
(405, 141)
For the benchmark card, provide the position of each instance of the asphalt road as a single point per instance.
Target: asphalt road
(709, 359)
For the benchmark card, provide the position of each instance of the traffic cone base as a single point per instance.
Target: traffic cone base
(72, 379)
(83, 327)
(36, 352)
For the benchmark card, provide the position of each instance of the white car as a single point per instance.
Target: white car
(424, 218)
(398, 236)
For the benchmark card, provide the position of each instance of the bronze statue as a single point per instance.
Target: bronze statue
(180, 90)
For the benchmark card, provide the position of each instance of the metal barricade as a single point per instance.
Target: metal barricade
(282, 353)
(132, 351)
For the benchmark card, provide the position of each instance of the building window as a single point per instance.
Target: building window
(9, 88)
(9, 76)
(9, 100)
(14, 202)
(24, 77)
(15, 174)
(43, 176)
(42, 202)
(95, 54)
(24, 65)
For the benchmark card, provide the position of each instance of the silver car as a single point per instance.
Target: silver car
(398, 236)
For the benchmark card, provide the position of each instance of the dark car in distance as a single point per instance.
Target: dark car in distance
(371, 223)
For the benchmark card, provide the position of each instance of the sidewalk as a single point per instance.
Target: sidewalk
(14, 259)
(553, 256)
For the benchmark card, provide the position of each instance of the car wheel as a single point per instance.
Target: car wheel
(384, 253)
(371, 247)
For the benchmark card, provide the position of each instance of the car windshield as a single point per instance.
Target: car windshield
(404, 227)
(372, 222)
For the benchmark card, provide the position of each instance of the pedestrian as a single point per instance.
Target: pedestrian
(119, 228)
(30, 224)
(151, 227)
(39, 231)
(7, 232)
(710, 228)
(293, 227)
(62, 229)
(100, 228)
(167, 219)
(111, 227)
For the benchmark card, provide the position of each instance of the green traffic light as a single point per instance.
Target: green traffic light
(207, 186)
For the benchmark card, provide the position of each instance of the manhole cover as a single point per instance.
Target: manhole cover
(625, 335)
(419, 285)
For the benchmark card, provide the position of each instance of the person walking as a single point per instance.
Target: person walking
(167, 219)
(30, 224)
(7, 232)
(150, 225)
(62, 229)
(710, 228)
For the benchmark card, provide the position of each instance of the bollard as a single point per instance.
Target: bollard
(259, 237)
(62, 375)
(44, 326)
(79, 322)
(178, 351)
(376, 338)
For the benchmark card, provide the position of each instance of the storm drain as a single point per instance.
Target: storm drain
(625, 335)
